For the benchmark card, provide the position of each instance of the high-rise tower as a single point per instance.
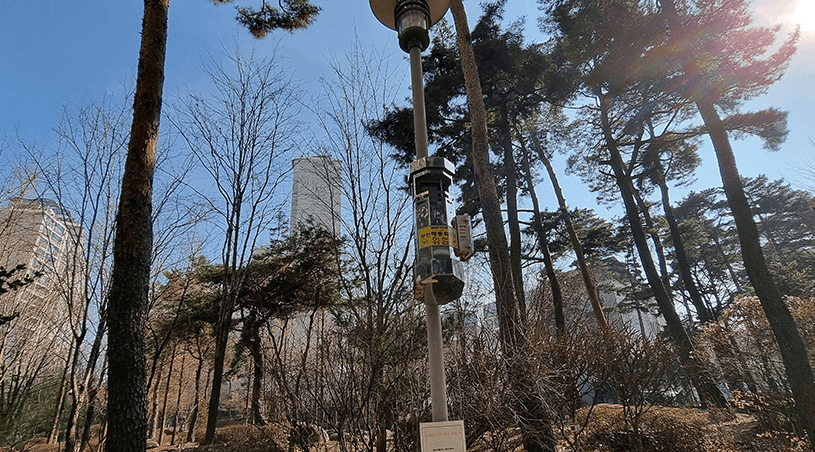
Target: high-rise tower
(42, 235)
(316, 195)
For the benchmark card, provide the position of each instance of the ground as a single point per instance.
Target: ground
(662, 429)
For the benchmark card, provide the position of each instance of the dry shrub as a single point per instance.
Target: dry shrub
(38, 444)
(247, 438)
(662, 429)
(406, 432)
(636, 370)
(748, 355)
(775, 428)
(745, 345)
(480, 393)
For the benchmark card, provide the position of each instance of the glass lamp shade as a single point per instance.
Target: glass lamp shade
(384, 10)
(412, 23)
(412, 18)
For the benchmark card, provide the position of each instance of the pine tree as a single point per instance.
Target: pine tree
(133, 243)
(614, 48)
(736, 70)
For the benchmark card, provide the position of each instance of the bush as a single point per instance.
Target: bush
(775, 420)
(661, 430)
(246, 438)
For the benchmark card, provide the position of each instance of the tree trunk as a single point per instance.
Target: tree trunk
(79, 392)
(81, 382)
(510, 174)
(255, 350)
(178, 399)
(651, 229)
(734, 276)
(730, 363)
(746, 374)
(161, 418)
(538, 435)
(53, 435)
(196, 401)
(509, 320)
(682, 257)
(543, 243)
(591, 289)
(89, 414)
(70, 426)
(133, 244)
(221, 339)
(793, 352)
(153, 392)
(709, 392)
(85, 388)
(569, 381)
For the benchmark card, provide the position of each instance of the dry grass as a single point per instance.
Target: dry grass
(663, 429)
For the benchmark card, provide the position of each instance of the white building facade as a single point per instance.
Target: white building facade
(40, 234)
(316, 197)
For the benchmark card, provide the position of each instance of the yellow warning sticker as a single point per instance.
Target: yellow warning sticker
(434, 235)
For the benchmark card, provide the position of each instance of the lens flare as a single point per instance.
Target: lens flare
(804, 15)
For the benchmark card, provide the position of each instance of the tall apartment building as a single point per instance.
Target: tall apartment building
(316, 195)
(42, 235)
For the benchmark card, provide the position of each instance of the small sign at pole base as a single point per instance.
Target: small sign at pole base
(445, 436)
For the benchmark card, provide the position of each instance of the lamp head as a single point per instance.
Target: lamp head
(410, 18)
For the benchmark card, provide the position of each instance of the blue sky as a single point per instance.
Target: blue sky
(58, 52)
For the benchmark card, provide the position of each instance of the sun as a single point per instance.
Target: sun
(804, 15)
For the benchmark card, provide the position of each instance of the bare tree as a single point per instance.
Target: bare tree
(806, 171)
(88, 160)
(371, 336)
(79, 176)
(242, 138)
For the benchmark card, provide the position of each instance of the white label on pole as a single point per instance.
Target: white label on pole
(442, 436)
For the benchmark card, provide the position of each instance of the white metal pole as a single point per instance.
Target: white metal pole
(419, 118)
(438, 383)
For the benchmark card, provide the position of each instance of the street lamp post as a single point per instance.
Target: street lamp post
(440, 236)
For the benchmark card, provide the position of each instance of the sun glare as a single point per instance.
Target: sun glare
(804, 15)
